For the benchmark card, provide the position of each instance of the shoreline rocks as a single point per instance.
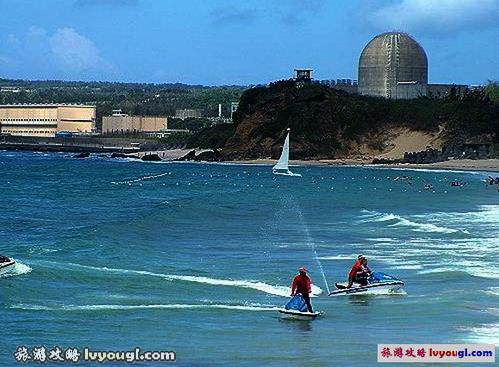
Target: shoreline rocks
(151, 158)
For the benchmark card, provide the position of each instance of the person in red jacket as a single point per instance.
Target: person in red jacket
(359, 272)
(302, 284)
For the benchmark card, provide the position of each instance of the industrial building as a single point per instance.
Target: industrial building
(120, 123)
(394, 65)
(444, 90)
(45, 120)
(188, 113)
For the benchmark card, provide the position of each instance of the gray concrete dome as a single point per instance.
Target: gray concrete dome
(393, 65)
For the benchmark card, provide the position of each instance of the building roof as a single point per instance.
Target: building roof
(44, 105)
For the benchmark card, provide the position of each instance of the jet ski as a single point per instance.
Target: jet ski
(377, 283)
(296, 309)
(6, 264)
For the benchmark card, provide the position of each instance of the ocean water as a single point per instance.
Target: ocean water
(195, 258)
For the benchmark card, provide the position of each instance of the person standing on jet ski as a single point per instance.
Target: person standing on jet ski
(359, 272)
(302, 284)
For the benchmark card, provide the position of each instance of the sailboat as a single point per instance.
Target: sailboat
(282, 165)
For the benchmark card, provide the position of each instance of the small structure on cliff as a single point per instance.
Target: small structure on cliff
(302, 77)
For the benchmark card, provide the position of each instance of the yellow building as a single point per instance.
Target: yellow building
(44, 120)
(124, 124)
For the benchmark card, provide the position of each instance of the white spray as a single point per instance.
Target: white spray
(311, 243)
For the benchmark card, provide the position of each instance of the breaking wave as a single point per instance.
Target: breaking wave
(393, 220)
(139, 307)
(19, 269)
(486, 333)
(283, 291)
(476, 272)
(407, 267)
(494, 291)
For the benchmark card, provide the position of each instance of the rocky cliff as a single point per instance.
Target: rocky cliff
(327, 123)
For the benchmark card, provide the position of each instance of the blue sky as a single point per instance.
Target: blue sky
(216, 42)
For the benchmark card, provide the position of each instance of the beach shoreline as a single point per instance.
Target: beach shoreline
(485, 165)
(479, 165)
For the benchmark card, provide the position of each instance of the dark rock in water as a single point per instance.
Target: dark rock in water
(103, 156)
(209, 156)
(385, 161)
(121, 155)
(188, 157)
(82, 155)
(151, 158)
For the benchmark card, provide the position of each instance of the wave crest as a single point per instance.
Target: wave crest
(19, 269)
(283, 291)
(394, 220)
(139, 307)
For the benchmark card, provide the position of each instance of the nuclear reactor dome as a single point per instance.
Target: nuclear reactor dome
(393, 65)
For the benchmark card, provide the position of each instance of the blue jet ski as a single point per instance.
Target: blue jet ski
(377, 283)
(296, 309)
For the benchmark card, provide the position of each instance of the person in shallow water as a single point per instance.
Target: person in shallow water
(302, 284)
(359, 272)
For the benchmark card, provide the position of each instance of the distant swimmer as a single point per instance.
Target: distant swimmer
(428, 186)
(407, 179)
(302, 284)
(359, 272)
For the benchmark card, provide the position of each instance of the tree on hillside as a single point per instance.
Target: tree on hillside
(492, 91)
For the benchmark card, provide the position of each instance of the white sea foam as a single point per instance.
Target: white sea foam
(492, 291)
(383, 239)
(394, 220)
(380, 292)
(41, 250)
(19, 269)
(276, 290)
(406, 267)
(474, 271)
(138, 307)
(486, 334)
(260, 286)
(487, 215)
(493, 311)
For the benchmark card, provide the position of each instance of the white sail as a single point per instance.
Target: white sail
(283, 162)
(282, 165)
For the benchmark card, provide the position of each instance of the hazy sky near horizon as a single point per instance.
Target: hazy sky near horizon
(216, 42)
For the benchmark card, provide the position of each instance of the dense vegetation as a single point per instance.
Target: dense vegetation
(212, 138)
(492, 91)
